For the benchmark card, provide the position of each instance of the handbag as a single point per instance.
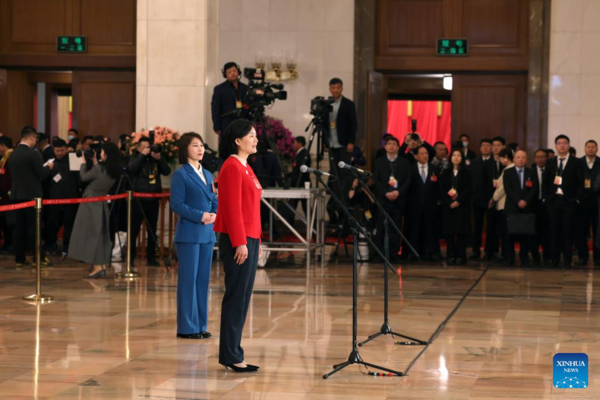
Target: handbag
(521, 224)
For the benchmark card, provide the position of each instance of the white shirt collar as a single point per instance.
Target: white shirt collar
(590, 160)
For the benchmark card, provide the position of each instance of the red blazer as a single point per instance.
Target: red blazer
(239, 203)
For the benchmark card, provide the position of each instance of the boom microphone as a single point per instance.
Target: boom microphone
(305, 169)
(342, 164)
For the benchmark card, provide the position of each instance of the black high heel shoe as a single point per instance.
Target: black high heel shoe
(97, 275)
(249, 368)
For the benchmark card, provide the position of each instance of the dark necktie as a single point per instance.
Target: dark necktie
(561, 166)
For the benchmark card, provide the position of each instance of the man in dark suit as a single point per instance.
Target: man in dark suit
(587, 218)
(343, 123)
(228, 98)
(542, 226)
(301, 158)
(392, 183)
(468, 153)
(27, 172)
(564, 184)
(63, 184)
(481, 195)
(521, 186)
(494, 170)
(44, 147)
(423, 204)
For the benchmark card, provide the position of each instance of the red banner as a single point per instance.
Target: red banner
(17, 206)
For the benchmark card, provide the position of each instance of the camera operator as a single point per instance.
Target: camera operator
(86, 142)
(145, 169)
(63, 184)
(343, 122)
(91, 233)
(228, 97)
(27, 173)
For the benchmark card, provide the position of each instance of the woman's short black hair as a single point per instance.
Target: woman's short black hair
(184, 143)
(112, 165)
(235, 130)
(507, 153)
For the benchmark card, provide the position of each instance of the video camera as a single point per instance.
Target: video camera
(154, 147)
(320, 107)
(88, 155)
(261, 93)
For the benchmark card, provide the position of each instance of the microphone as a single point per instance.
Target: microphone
(342, 164)
(305, 169)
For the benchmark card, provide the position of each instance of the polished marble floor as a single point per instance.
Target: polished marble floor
(110, 339)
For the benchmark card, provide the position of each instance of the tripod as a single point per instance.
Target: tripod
(386, 329)
(354, 357)
(122, 181)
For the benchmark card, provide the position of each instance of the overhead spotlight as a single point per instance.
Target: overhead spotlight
(448, 82)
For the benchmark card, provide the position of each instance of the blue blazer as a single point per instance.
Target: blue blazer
(190, 199)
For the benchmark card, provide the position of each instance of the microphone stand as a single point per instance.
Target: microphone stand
(386, 329)
(354, 357)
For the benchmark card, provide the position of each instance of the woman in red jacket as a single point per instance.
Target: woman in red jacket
(238, 222)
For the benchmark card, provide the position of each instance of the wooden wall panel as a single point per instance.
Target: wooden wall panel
(408, 29)
(104, 103)
(28, 31)
(485, 106)
(16, 103)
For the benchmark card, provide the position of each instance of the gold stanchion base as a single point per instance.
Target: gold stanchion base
(128, 275)
(42, 298)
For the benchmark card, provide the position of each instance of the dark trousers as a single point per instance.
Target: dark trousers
(492, 241)
(421, 234)
(60, 215)
(478, 217)
(24, 233)
(542, 235)
(150, 208)
(396, 212)
(562, 219)
(239, 281)
(509, 248)
(586, 222)
(456, 246)
(7, 228)
(502, 231)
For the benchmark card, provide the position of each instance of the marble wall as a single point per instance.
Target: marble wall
(176, 64)
(320, 33)
(574, 97)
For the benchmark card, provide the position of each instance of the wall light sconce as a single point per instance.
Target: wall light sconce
(276, 73)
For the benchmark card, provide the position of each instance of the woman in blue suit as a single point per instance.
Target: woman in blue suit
(194, 200)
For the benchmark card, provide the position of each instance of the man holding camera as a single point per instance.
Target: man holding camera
(146, 168)
(228, 98)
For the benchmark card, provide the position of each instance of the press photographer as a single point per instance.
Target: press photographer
(145, 169)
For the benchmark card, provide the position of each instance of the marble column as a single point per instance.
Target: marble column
(177, 55)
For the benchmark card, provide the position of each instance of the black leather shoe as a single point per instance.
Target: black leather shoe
(153, 262)
(189, 336)
(205, 335)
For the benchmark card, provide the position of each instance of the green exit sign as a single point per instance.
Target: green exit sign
(452, 47)
(71, 44)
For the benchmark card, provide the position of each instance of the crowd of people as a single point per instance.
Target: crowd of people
(487, 203)
(56, 169)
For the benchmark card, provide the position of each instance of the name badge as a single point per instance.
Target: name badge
(588, 183)
(453, 194)
(495, 183)
(238, 104)
(468, 162)
(332, 124)
(368, 215)
(393, 182)
(558, 180)
(212, 184)
(57, 178)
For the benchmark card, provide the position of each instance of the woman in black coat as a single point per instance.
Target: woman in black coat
(455, 193)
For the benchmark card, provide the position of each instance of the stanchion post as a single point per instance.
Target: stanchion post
(38, 297)
(129, 274)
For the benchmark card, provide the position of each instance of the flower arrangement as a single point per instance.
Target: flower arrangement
(282, 137)
(164, 137)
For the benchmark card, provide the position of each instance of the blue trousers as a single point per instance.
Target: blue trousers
(195, 260)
